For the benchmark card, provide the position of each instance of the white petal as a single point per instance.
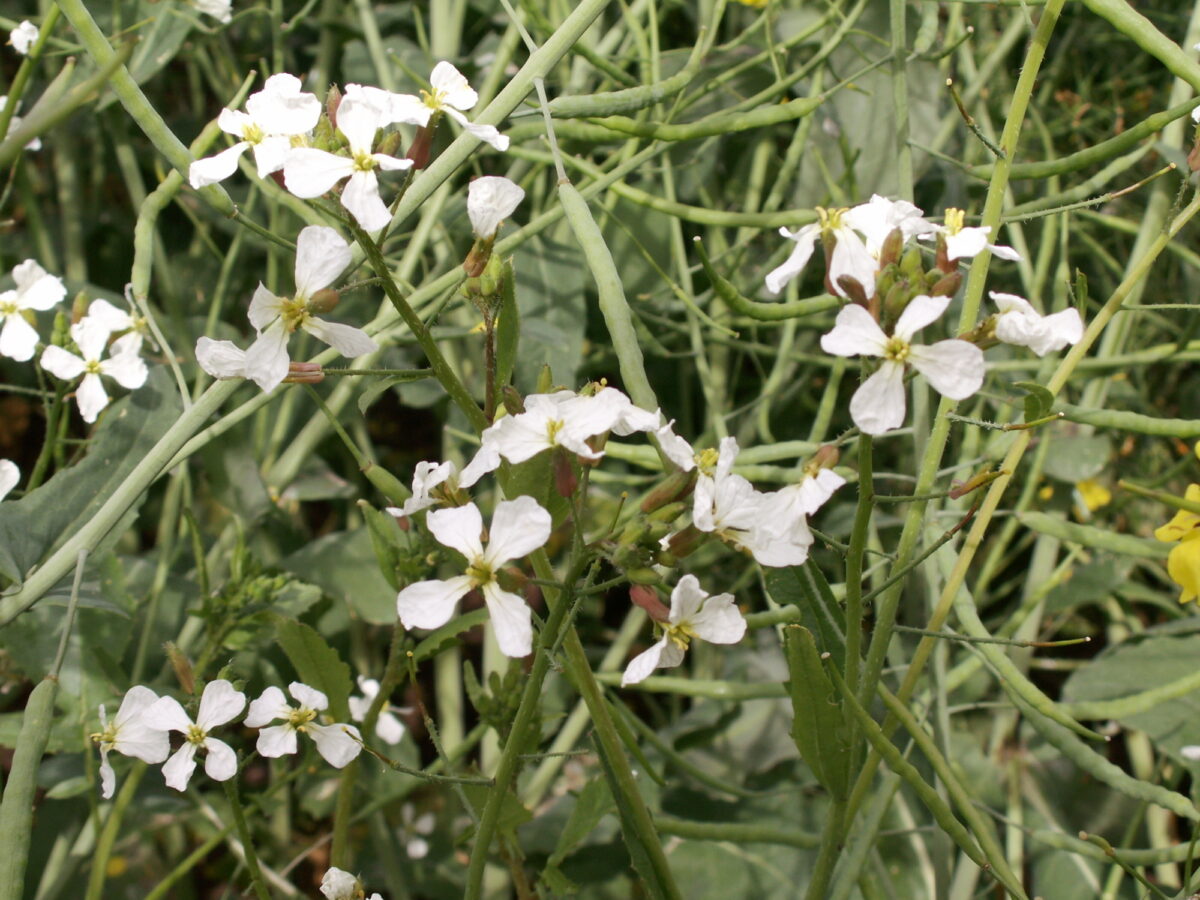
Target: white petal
(9, 476)
(967, 243)
(486, 459)
(337, 743)
(408, 109)
(358, 121)
(309, 172)
(212, 169)
(22, 38)
(177, 771)
(854, 333)
(60, 363)
(220, 703)
(309, 698)
(265, 307)
(686, 599)
(108, 778)
(489, 134)
(430, 604)
(37, 289)
(519, 527)
(416, 848)
(1004, 252)
(773, 548)
(921, 311)
(954, 368)
(719, 621)
(490, 200)
(347, 340)
(91, 397)
(166, 714)
(220, 763)
(282, 108)
(878, 405)
(426, 477)
(1066, 327)
(510, 618)
(18, 340)
(109, 316)
(91, 337)
(644, 664)
(270, 154)
(460, 527)
(126, 367)
(361, 198)
(806, 239)
(389, 728)
(850, 258)
(267, 358)
(270, 705)
(1012, 303)
(321, 256)
(233, 122)
(520, 437)
(218, 9)
(453, 86)
(276, 741)
(676, 448)
(221, 359)
(391, 163)
(338, 884)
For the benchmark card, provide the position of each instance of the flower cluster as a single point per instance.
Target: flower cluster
(283, 127)
(890, 297)
(142, 726)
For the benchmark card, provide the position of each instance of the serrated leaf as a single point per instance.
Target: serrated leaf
(817, 725)
(317, 665)
(386, 537)
(448, 634)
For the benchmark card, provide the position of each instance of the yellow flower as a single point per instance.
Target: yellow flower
(1183, 565)
(1184, 522)
(1093, 494)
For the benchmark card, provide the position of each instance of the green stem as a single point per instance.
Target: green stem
(109, 832)
(854, 560)
(53, 414)
(239, 819)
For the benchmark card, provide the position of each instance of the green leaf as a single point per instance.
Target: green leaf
(378, 386)
(594, 802)
(1078, 457)
(1092, 536)
(317, 665)
(817, 725)
(553, 312)
(805, 586)
(1038, 400)
(32, 527)
(512, 812)
(448, 634)
(344, 565)
(386, 537)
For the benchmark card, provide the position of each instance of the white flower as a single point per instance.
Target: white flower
(321, 256)
(677, 450)
(338, 884)
(810, 493)
(221, 359)
(849, 257)
(309, 172)
(338, 743)
(389, 728)
(450, 94)
(955, 368)
(562, 419)
(9, 476)
(22, 37)
(490, 200)
(129, 733)
(36, 290)
(519, 527)
(693, 614)
(725, 504)
(1190, 752)
(273, 115)
(964, 243)
(219, 704)
(15, 122)
(413, 827)
(218, 9)
(426, 477)
(879, 217)
(1019, 323)
(123, 365)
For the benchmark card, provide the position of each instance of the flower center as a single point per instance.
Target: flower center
(480, 573)
(363, 162)
(92, 367)
(680, 633)
(253, 133)
(195, 735)
(830, 219)
(954, 220)
(706, 460)
(294, 312)
(106, 738)
(896, 349)
(9, 308)
(298, 718)
(553, 427)
(434, 99)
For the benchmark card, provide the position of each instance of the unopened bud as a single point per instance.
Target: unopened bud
(493, 274)
(897, 298)
(304, 373)
(942, 260)
(477, 258)
(545, 380)
(565, 480)
(893, 246)
(947, 285)
(390, 145)
(675, 487)
(910, 264)
(853, 290)
(643, 576)
(324, 300)
(182, 666)
(512, 400)
(79, 306)
(826, 457)
(418, 150)
(684, 542)
(333, 99)
(647, 598)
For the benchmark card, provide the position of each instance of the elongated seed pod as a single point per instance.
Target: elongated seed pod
(16, 809)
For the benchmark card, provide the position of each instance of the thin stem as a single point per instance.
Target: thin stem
(239, 819)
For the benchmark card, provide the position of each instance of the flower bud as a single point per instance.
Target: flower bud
(910, 264)
(419, 149)
(493, 275)
(333, 99)
(852, 290)
(643, 576)
(647, 598)
(684, 542)
(545, 380)
(565, 480)
(947, 285)
(182, 666)
(893, 246)
(390, 145)
(826, 457)
(304, 373)
(512, 400)
(674, 488)
(324, 300)
(79, 306)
